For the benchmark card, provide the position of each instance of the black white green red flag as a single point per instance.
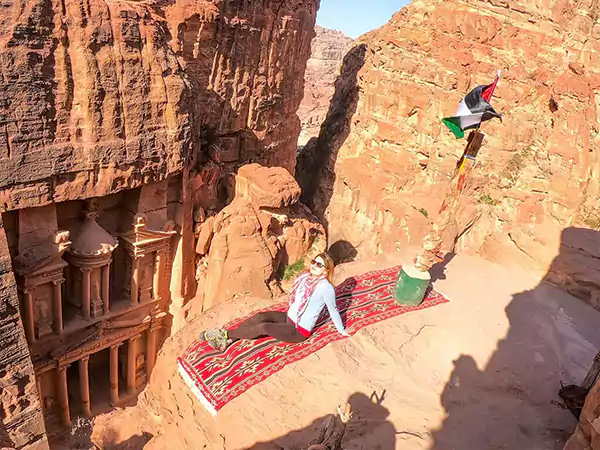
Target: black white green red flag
(474, 109)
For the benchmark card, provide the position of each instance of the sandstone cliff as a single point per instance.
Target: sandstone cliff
(327, 52)
(378, 170)
(243, 249)
(98, 97)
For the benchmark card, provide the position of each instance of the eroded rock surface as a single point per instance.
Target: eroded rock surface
(149, 107)
(379, 168)
(327, 52)
(243, 249)
(101, 96)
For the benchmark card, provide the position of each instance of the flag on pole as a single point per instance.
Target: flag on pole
(474, 109)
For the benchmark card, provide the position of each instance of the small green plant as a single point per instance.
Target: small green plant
(424, 212)
(292, 270)
(513, 169)
(487, 199)
(593, 222)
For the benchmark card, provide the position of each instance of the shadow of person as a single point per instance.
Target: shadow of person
(369, 428)
(511, 402)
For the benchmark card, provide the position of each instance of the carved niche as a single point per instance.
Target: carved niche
(147, 253)
(40, 277)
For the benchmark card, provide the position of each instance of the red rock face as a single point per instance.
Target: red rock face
(93, 101)
(327, 52)
(242, 249)
(98, 97)
(101, 96)
(384, 158)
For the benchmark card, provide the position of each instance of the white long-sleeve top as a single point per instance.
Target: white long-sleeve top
(324, 295)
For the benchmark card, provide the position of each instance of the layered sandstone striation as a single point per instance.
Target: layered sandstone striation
(21, 420)
(327, 52)
(379, 168)
(151, 108)
(93, 101)
(99, 96)
(243, 249)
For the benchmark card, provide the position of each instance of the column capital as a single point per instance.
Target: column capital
(62, 367)
(116, 345)
(85, 269)
(85, 358)
(58, 282)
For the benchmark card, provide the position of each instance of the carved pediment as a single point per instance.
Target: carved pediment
(141, 239)
(43, 258)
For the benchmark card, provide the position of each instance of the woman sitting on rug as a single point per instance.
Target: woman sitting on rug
(310, 293)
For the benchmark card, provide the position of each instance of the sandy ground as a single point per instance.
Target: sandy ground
(477, 373)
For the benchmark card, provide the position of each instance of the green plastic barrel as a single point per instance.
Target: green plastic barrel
(411, 286)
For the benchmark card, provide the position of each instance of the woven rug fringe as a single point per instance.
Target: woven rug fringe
(190, 383)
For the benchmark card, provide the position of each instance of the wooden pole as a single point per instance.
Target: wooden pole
(413, 280)
(462, 177)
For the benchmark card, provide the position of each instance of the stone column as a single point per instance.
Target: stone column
(131, 364)
(63, 395)
(29, 317)
(106, 288)
(159, 269)
(84, 386)
(114, 374)
(135, 281)
(58, 318)
(85, 295)
(150, 350)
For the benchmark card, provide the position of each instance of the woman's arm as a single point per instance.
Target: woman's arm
(330, 302)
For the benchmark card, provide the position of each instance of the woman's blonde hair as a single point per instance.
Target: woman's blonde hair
(329, 265)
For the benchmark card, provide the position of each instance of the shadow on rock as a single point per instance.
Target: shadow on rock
(513, 402)
(437, 271)
(342, 252)
(368, 428)
(315, 163)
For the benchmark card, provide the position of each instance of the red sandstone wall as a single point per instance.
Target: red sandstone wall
(100, 96)
(20, 413)
(93, 100)
(387, 157)
(328, 48)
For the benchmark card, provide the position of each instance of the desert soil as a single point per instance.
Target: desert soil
(481, 372)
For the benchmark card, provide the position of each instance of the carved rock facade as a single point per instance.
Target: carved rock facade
(148, 109)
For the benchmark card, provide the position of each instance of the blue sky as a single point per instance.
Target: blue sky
(355, 17)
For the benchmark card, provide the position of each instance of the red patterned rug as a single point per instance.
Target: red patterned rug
(217, 378)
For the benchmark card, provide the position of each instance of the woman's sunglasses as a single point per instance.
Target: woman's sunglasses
(319, 264)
